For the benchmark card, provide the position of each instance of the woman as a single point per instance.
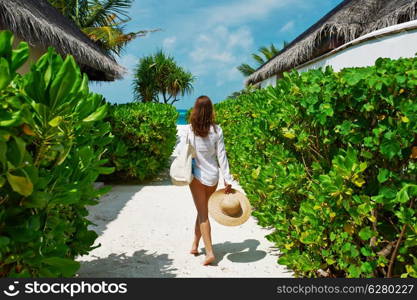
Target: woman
(207, 139)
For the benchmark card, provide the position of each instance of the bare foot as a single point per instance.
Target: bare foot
(194, 248)
(209, 259)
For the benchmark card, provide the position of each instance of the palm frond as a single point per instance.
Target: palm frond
(100, 10)
(265, 51)
(273, 49)
(246, 69)
(259, 59)
(102, 20)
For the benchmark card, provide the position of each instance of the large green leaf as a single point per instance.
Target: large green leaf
(66, 267)
(402, 195)
(106, 170)
(20, 184)
(6, 41)
(4, 135)
(21, 148)
(19, 56)
(383, 175)
(3, 151)
(70, 196)
(23, 233)
(56, 121)
(4, 241)
(99, 114)
(63, 82)
(8, 119)
(5, 74)
(16, 151)
(390, 148)
(366, 233)
(37, 200)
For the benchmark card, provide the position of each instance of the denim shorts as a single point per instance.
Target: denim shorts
(193, 166)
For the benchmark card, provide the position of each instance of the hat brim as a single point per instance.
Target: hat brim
(219, 216)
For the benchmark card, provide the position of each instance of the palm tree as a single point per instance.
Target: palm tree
(158, 78)
(266, 53)
(101, 20)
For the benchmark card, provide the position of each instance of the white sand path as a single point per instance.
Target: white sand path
(147, 230)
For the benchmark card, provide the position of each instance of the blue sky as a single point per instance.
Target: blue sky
(210, 39)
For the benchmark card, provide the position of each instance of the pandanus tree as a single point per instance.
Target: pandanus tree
(158, 78)
(101, 20)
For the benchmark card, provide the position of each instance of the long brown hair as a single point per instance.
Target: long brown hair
(202, 116)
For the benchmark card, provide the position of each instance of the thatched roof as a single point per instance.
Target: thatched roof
(349, 20)
(38, 23)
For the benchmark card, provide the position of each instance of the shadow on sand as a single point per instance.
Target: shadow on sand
(140, 264)
(235, 251)
(109, 206)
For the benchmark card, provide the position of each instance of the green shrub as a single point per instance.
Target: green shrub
(145, 136)
(51, 142)
(329, 161)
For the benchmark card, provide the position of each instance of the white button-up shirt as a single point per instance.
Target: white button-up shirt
(210, 156)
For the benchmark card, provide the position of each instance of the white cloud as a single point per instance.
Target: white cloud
(129, 61)
(246, 10)
(288, 27)
(227, 75)
(220, 51)
(221, 44)
(169, 42)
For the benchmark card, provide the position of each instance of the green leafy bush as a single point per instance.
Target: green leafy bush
(145, 136)
(51, 141)
(329, 161)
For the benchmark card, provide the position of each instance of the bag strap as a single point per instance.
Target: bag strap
(186, 137)
(188, 133)
(194, 137)
(192, 146)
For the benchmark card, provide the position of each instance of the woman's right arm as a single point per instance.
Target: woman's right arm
(223, 161)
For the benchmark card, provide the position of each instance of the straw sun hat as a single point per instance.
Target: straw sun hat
(229, 209)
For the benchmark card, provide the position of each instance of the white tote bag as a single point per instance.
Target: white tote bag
(180, 171)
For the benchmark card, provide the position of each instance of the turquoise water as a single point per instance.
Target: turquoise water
(182, 117)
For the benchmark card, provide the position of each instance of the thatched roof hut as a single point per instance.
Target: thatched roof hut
(41, 25)
(349, 20)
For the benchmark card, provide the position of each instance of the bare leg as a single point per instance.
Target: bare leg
(209, 190)
(197, 236)
(199, 193)
(197, 232)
